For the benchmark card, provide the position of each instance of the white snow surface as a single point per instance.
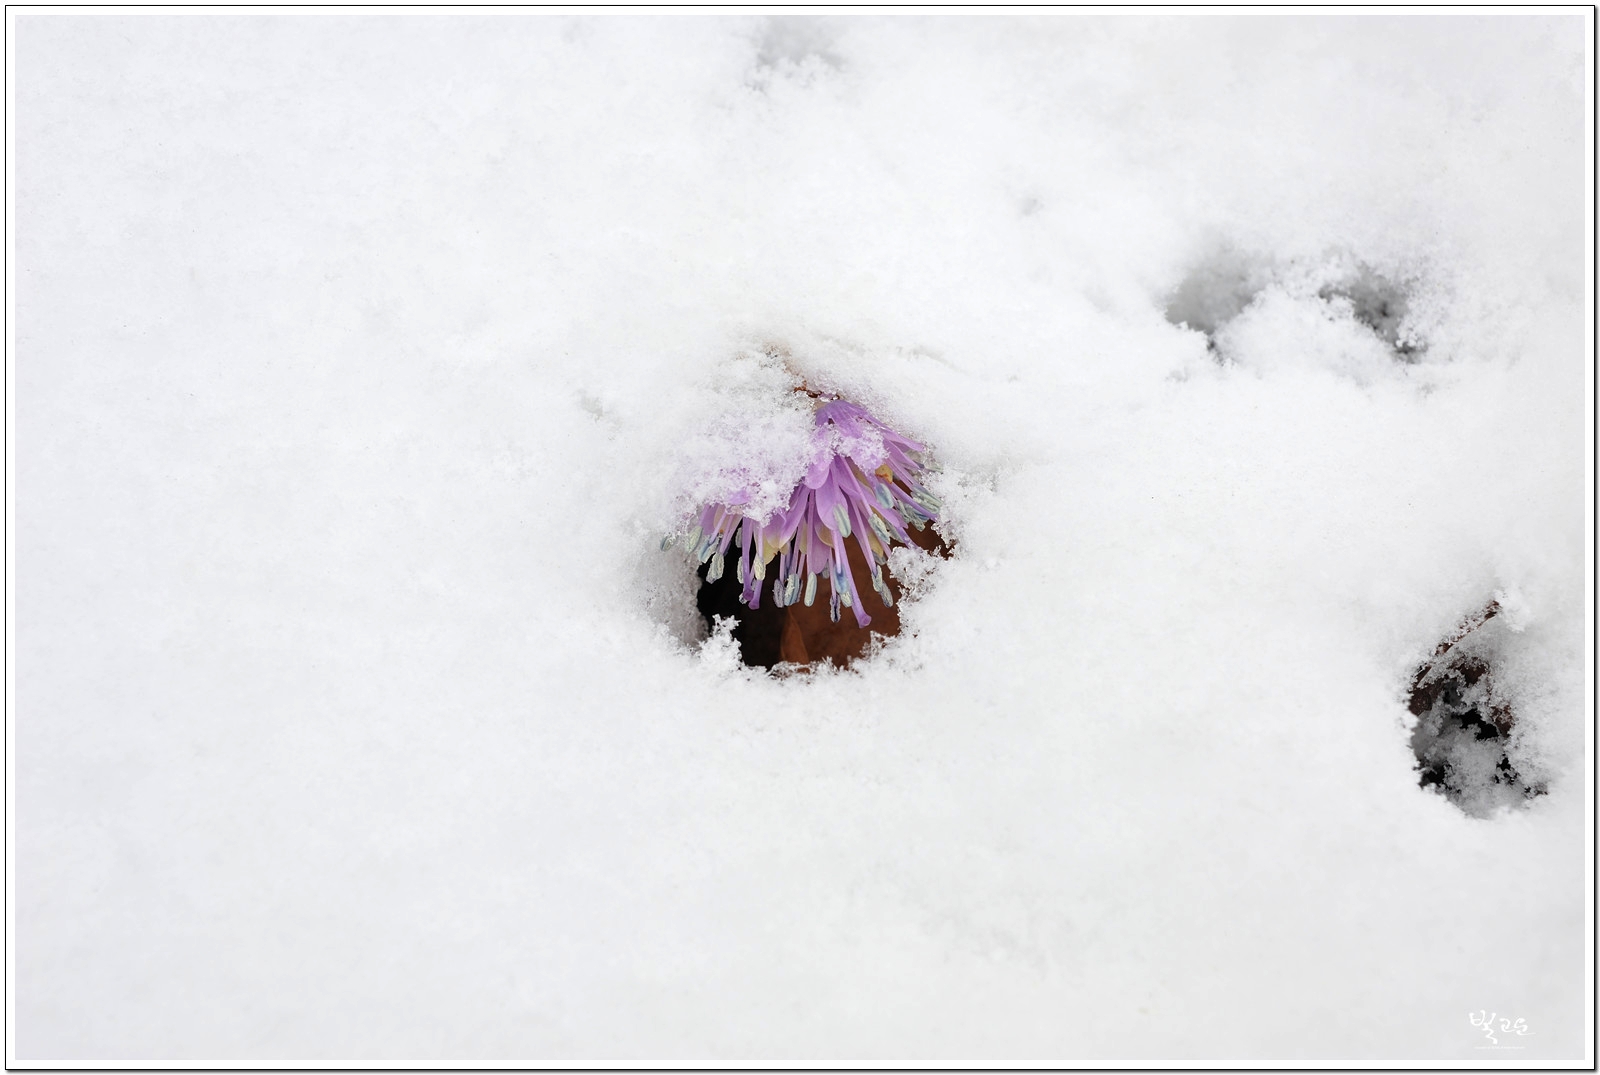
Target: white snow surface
(361, 360)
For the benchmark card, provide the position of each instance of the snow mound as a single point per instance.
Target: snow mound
(360, 361)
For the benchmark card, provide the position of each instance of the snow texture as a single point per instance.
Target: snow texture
(361, 360)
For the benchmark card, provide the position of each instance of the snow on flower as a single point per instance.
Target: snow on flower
(862, 485)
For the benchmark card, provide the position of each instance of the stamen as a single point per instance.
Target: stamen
(879, 528)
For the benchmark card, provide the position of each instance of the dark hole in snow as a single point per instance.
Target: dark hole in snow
(793, 41)
(1215, 292)
(1462, 740)
(804, 634)
(1220, 288)
(1380, 304)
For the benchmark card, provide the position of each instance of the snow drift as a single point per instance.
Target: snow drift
(360, 361)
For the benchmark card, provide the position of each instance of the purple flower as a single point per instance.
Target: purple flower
(861, 486)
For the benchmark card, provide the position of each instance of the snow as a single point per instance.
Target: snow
(361, 360)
